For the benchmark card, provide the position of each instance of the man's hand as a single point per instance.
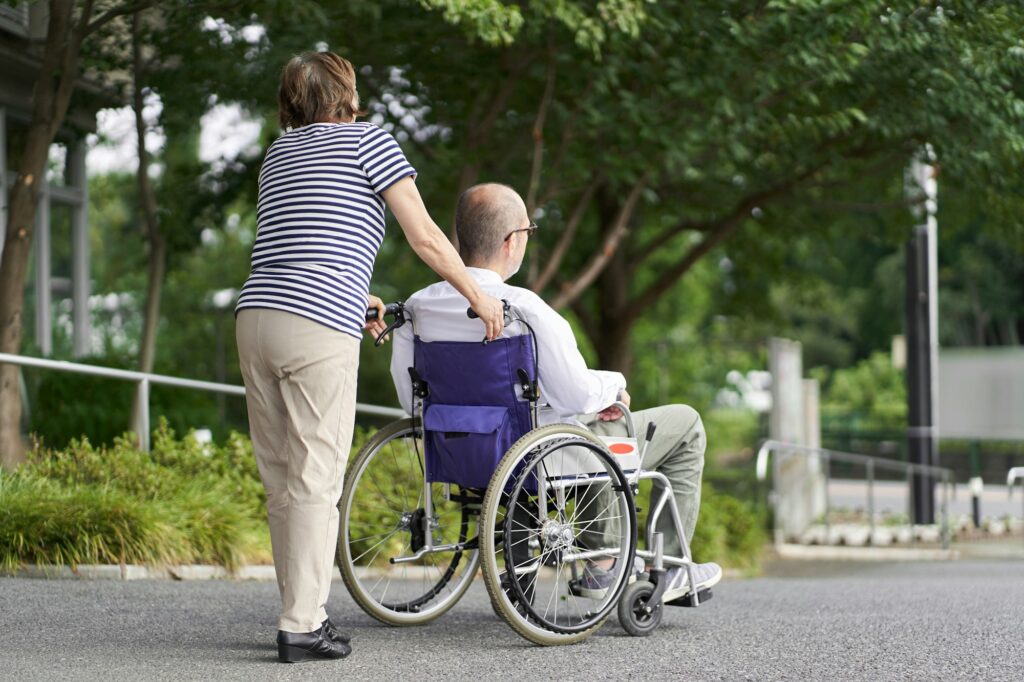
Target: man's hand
(611, 413)
(375, 327)
(492, 312)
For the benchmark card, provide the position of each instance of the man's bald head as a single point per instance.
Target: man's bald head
(484, 217)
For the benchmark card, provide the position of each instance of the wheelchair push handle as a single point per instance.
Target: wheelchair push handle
(389, 309)
(396, 309)
(471, 314)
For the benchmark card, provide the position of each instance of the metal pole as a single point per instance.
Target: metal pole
(779, 539)
(80, 256)
(922, 340)
(43, 283)
(871, 499)
(142, 428)
(827, 461)
(945, 511)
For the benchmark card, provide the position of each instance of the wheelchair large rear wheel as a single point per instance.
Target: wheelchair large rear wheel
(557, 538)
(383, 512)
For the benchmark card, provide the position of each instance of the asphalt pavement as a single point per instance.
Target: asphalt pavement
(958, 620)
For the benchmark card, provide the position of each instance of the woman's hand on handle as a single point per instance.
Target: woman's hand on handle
(433, 247)
(492, 312)
(376, 326)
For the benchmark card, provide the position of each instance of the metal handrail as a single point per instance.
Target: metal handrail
(143, 380)
(1012, 476)
(870, 464)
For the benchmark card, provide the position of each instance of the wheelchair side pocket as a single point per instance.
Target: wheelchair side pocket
(464, 443)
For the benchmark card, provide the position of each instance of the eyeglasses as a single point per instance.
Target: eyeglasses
(528, 230)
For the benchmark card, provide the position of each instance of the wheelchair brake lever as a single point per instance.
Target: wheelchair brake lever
(395, 324)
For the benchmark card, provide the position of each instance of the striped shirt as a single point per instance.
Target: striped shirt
(320, 221)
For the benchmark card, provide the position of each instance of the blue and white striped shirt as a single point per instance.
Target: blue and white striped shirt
(320, 221)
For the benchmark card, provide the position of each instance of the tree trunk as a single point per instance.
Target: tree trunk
(50, 98)
(157, 243)
(614, 323)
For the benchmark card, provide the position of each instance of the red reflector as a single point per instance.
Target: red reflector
(621, 448)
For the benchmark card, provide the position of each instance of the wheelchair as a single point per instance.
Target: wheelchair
(471, 483)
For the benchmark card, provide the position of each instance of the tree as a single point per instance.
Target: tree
(70, 25)
(706, 125)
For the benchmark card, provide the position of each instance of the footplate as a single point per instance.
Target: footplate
(687, 599)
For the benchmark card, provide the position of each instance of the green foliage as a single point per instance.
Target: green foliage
(65, 405)
(872, 394)
(45, 522)
(182, 503)
(729, 531)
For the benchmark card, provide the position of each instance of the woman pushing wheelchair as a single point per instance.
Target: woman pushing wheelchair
(323, 188)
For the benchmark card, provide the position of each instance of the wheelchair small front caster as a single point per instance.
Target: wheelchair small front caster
(637, 614)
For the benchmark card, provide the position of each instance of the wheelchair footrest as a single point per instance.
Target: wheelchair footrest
(687, 599)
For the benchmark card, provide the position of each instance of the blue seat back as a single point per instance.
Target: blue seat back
(472, 414)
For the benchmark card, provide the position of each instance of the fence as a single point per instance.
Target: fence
(871, 466)
(143, 381)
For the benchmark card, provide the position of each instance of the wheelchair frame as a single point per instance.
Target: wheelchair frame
(653, 553)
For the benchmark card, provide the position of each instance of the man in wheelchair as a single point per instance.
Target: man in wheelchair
(493, 228)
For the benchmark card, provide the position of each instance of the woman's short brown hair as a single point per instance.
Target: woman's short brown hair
(317, 87)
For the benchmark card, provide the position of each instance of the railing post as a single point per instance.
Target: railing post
(779, 539)
(828, 498)
(945, 510)
(871, 499)
(910, 501)
(142, 427)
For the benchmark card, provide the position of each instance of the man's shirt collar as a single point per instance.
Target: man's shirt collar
(485, 276)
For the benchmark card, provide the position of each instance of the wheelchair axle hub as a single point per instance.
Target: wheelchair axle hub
(557, 535)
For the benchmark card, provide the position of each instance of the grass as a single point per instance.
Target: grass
(182, 503)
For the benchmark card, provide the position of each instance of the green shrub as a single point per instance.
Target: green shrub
(59, 412)
(182, 503)
(44, 522)
(729, 531)
(186, 502)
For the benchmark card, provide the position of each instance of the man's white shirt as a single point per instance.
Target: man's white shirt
(567, 387)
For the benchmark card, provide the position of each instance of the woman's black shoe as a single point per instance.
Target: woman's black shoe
(293, 647)
(336, 634)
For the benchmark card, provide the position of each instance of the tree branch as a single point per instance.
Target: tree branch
(114, 12)
(563, 147)
(538, 141)
(601, 257)
(719, 230)
(567, 236)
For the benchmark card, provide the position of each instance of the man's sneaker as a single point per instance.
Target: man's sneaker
(596, 580)
(705, 575)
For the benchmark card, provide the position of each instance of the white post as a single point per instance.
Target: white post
(44, 322)
(799, 483)
(80, 256)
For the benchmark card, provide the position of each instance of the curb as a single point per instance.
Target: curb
(135, 572)
(826, 553)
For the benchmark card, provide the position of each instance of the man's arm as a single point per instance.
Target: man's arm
(565, 381)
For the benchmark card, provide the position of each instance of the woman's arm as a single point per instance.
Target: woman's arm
(430, 244)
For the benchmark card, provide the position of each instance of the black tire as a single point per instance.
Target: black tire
(381, 477)
(522, 604)
(637, 615)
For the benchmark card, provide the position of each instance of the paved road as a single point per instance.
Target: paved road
(920, 621)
